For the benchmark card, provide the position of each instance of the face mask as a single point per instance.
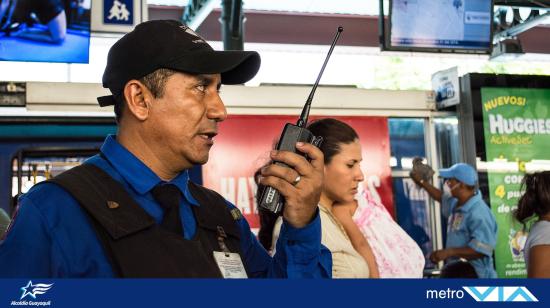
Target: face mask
(446, 189)
(454, 187)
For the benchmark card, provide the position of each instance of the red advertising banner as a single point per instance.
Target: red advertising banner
(243, 146)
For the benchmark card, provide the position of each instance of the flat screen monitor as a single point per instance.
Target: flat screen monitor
(440, 26)
(45, 30)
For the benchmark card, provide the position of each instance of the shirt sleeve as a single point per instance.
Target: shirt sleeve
(26, 250)
(299, 252)
(302, 251)
(482, 228)
(540, 235)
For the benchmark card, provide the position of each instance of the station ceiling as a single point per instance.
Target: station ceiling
(313, 21)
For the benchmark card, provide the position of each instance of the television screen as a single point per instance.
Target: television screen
(441, 25)
(45, 30)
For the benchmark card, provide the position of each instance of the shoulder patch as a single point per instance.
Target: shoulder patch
(236, 214)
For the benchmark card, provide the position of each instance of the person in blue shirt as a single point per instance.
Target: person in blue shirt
(113, 215)
(472, 228)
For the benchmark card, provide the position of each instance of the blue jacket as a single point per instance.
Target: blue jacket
(51, 235)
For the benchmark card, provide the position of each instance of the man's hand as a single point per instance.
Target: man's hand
(415, 177)
(439, 255)
(301, 196)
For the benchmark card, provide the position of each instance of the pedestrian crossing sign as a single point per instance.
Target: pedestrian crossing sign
(118, 12)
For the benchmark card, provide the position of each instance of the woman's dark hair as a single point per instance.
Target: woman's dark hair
(536, 198)
(334, 133)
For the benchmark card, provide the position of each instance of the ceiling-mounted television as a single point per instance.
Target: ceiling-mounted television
(45, 30)
(437, 26)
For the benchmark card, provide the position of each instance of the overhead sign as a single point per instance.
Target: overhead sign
(446, 87)
(118, 12)
(118, 16)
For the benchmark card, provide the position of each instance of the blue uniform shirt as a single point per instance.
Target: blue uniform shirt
(51, 235)
(473, 225)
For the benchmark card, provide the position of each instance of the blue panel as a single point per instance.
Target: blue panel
(406, 139)
(55, 131)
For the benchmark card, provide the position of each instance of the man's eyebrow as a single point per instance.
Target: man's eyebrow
(207, 80)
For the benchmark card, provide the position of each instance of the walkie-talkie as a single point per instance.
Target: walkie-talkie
(271, 199)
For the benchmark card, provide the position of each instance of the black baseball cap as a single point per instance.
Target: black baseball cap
(172, 45)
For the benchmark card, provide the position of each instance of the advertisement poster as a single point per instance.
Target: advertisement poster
(516, 123)
(243, 146)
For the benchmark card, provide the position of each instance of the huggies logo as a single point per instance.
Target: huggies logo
(501, 294)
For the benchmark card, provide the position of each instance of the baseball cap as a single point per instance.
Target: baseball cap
(172, 45)
(462, 172)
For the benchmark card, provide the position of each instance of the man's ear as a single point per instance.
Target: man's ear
(138, 99)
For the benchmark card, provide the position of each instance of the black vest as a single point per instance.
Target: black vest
(135, 245)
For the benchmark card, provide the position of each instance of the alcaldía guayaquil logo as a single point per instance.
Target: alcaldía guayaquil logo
(29, 294)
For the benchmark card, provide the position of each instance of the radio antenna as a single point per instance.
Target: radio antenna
(302, 121)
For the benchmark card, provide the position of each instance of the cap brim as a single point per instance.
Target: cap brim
(446, 173)
(235, 67)
(106, 100)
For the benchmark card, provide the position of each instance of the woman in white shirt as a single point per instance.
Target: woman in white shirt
(363, 224)
(535, 203)
(352, 256)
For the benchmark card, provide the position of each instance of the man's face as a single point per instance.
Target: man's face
(185, 119)
(454, 186)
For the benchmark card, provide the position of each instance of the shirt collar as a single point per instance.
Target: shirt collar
(470, 203)
(136, 173)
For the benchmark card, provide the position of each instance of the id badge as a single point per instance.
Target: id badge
(457, 221)
(230, 264)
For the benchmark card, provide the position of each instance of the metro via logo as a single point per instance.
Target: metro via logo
(501, 294)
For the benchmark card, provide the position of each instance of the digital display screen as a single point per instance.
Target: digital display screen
(441, 24)
(45, 30)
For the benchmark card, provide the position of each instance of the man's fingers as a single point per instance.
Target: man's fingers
(293, 160)
(298, 162)
(283, 172)
(283, 186)
(317, 159)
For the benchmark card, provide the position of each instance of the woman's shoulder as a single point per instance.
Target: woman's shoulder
(540, 231)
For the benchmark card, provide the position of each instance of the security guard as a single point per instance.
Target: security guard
(472, 228)
(131, 211)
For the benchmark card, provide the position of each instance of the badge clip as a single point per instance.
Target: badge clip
(221, 241)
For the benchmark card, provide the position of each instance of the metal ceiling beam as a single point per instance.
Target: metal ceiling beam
(521, 27)
(509, 23)
(232, 20)
(525, 3)
(196, 12)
